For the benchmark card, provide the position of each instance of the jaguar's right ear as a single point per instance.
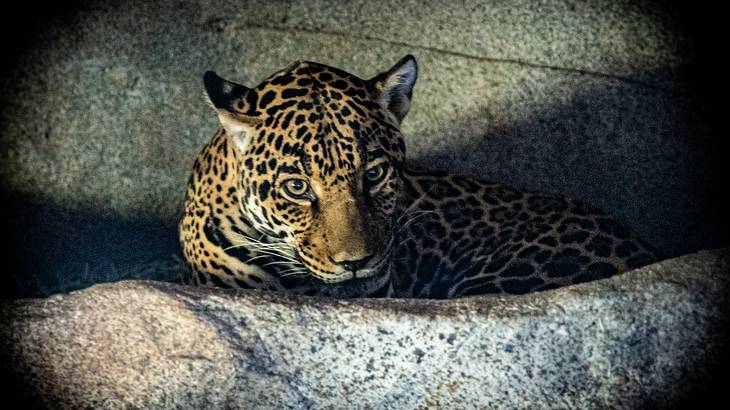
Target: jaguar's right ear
(235, 105)
(395, 86)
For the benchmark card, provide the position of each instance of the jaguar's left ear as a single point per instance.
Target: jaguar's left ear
(395, 86)
(235, 105)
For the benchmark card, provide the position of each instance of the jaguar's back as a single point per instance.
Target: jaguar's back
(464, 237)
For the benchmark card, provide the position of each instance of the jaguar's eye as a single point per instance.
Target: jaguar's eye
(296, 188)
(376, 173)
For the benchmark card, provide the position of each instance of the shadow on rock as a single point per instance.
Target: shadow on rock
(54, 249)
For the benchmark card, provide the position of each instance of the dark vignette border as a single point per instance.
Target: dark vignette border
(23, 217)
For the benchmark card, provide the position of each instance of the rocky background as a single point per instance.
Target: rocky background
(103, 114)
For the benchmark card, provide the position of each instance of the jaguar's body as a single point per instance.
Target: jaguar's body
(305, 189)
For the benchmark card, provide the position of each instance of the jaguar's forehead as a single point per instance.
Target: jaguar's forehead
(319, 74)
(305, 85)
(322, 119)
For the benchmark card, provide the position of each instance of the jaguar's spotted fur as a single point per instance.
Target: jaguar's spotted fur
(305, 189)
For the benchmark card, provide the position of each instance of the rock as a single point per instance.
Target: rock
(103, 112)
(647, 338)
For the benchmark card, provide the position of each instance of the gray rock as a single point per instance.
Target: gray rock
(103, 112)
(647, 338)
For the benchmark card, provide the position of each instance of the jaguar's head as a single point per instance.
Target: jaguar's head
(320, 156)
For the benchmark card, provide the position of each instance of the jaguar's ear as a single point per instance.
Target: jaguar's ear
(395, 86)
(235, 105)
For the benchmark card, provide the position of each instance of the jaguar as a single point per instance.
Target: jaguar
(305, 189)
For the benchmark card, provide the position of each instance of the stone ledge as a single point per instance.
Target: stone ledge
(649, 336)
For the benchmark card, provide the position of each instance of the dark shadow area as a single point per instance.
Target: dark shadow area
(59, 250)
(708, 390)
(22, 22)
(706, 27)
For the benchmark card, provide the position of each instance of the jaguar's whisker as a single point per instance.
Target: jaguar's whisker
(415, 203)
(411, 220)
(268, 253)
(298, 269)
(277, 263)
(295, 273)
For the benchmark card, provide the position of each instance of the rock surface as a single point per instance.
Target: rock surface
(645, 339)
(103, 112)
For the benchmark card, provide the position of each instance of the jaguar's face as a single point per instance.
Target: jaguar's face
(320, 154)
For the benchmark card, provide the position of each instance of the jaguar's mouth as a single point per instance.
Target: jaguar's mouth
(306, 265)
(309, 267)
(342, 275)
(378, 268)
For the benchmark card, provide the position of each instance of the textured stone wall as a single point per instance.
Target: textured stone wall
(651, 338)
(102, 113)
